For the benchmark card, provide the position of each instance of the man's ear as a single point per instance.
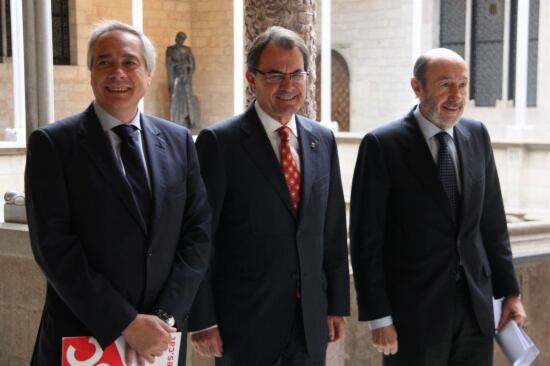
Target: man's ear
(416, 87)
(250, 77)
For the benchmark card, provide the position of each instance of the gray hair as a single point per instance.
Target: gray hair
(106, 26)
(421, 65)
(281, 37)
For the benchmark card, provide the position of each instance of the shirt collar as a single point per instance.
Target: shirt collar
(108, 121)
(428, 129)
(271, 125)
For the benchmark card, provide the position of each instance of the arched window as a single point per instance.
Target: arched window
(340, 93)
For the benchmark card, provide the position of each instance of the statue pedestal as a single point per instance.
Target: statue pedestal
(15, 214)
(14, 208)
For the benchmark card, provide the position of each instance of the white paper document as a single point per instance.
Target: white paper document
(514, 342)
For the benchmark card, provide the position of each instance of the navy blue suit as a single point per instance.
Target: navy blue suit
(102, 262)
(264, 252)
(406, 242)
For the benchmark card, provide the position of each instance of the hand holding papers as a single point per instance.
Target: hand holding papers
(516, 345)
(514, 342)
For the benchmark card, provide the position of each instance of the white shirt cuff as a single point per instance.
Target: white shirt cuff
(203, 330)
(380, 322)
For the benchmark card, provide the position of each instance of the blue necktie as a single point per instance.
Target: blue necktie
(446, 170)
(134, 168)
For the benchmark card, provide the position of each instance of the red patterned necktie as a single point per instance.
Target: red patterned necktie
(289, 167)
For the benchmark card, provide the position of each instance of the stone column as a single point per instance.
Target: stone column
(38, 48)
(298, 15)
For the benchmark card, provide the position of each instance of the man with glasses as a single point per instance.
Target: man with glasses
(278, 286)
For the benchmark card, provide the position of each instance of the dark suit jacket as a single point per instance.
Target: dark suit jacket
(262, 249)
(405, 240)
(102, 263)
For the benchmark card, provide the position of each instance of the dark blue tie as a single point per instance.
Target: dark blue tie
(446, 170)
(134, 167)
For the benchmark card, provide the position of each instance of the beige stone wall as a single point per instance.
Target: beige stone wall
(6, 97)
(21, 296)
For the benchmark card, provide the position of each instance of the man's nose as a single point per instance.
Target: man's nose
(286, 83)
(117, 72)
(454, 92)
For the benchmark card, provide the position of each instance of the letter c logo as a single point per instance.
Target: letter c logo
(71, 358)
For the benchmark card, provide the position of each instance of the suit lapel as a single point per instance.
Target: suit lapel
(93, 141)
(156, 165)
(308, 161)
(421, 163)
(257, 145)
(466, 161)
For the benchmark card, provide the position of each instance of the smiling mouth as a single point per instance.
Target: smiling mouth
(287, 98)
(117, 89)
(453, 108)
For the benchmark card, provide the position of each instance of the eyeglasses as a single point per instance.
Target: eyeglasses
(277, 77)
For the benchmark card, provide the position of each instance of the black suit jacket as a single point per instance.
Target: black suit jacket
(102, 263)
(405, 240)
(262, 249)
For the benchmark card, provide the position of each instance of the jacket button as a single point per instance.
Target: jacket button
(150, 253)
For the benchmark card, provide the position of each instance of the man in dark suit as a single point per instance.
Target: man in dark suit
(429, 241)
(119, 224)
(278, 286)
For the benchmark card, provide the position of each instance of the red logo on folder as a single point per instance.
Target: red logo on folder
(85, 351)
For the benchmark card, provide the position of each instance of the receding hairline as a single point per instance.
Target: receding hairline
(444, 58)
(432, 56)
(442, 53)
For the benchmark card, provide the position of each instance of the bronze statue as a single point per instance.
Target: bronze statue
(180, 66)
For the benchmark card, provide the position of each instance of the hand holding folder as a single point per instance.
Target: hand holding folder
(85, 351)
(516, 345)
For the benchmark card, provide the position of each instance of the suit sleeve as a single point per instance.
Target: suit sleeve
(369, 200)
(494, 230)
(58, 251)
(203, 312)
(192, 257)
(336, 265)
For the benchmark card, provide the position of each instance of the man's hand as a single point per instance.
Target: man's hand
(336, 328)
(208, 342)
(512, 308)
(148, 337)
(385, 339)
